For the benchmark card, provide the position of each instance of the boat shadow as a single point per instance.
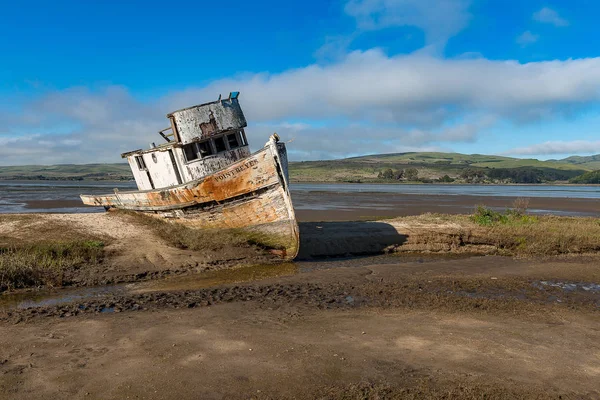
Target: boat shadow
(347, 238)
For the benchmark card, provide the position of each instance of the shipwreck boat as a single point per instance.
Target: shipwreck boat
(204, 176)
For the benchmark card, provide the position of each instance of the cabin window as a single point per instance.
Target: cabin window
(220, 144)
(190, 152)
(243, 138)
(139, 160)
(232, 141)
(205, 148)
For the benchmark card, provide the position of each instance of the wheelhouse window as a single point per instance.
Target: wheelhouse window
(139, 160)
(190, 151)
(205, 148)
(220, 144)
(197, 150)
(232, 141)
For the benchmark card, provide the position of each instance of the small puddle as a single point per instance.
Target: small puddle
(569, 286)
(54, 297)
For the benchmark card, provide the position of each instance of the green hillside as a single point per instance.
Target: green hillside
(437, 167)
(476, 160)
(588, 162)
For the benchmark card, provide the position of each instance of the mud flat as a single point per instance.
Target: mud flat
(336, 206)
(421, 328)
(427, 319)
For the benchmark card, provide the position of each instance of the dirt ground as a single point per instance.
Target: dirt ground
(392, 327)
(213, 325)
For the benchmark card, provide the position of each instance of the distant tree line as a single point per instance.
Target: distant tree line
(531, 175)
(490, 175)
(408, 174)
(592, 177)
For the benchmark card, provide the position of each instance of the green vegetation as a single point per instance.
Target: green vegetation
(513, 216)
(47, 263)
(590, 162)
(512, 232)
(45, 253)
(515, 232)
(592, 177)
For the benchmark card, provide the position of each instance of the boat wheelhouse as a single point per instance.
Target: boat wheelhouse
(199, 141)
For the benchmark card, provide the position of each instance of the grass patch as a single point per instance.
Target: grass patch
(516, 232)
(37, 251)
(509, 233)
(45, 263)
(517, 215)
(548, 235)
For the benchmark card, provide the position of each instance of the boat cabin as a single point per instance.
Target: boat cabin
(200, 141)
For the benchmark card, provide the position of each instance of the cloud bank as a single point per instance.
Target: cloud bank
(368, 102)
(559, 147)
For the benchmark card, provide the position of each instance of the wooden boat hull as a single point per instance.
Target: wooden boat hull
(251, 194)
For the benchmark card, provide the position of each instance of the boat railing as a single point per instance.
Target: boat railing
(167, 136)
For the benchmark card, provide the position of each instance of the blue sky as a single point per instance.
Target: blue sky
(83, 81)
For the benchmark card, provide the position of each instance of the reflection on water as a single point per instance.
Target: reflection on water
(570, 286)
(49, 297)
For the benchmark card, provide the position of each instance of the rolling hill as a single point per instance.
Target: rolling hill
(432, 166)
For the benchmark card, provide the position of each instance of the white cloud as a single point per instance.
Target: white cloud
(527, 38)
(439, 19)
(549, 16)
(411, 89)
(366, 103)
(559, 147)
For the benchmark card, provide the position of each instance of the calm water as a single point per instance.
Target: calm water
(63, 196)
(554, 191)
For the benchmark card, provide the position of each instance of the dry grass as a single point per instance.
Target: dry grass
(517, 232)
(44, 252)
(45, 263)
(184, 237)
(508, 233)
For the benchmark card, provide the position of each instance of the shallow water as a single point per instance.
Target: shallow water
(570, 286)
(53, 297)
(63, 196)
